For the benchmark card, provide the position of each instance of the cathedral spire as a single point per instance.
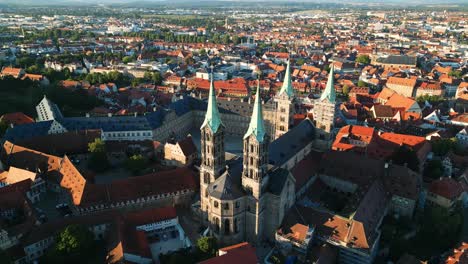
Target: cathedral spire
(212, 117)
(287, 84)
(329, 92)
(256, 126)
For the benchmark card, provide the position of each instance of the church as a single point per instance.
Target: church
(246, 198)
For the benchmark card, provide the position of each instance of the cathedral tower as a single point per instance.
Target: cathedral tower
(284, 105)
(324, 112)
(254, 175)
(212, 148)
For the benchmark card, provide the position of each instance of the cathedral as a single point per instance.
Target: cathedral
(245, 198)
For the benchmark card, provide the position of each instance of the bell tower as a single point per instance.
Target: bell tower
(324, 113)
(254, 174)
(284, 105)
(212, 149)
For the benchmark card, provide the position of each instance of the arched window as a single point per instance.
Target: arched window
(216, 224)
(226, 227)
(206, 178)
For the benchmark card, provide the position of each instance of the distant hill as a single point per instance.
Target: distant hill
(172, 2)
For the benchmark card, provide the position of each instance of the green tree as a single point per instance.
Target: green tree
(430, 241)
(442, 146)
(432, 99)
(345, 89)
(136, 164)
(127, 59)
(456, 74)
(363, 59)
(434, 169)
(300, 61)
(157, 78)
(98, 161)
(207, 247)
(405, 155)
(74, 244)
(3, 127)
(361, 83)
(97, 146)
(5, 257)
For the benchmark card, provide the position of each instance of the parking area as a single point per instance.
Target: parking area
(47, 205)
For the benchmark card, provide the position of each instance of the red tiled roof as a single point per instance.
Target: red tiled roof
(306, 168)
(401, 81)
(244, 254)
(17, 118)
(187, 146)
(459, 255)
(446, 187)
(11, 71)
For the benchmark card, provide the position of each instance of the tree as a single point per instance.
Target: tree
(157, 78)
(363, 59)
(434, 169)
(405, 155)
(74, 244)
(345, 89)
(441, 147)
(136, 164)
(300, 61)
(432, 99)
(207, 247)
(361, 83)
(5, 257)
(430, 241)
(456, 74)
(98, 161)
(127, 59)
(97, 146)
(3, 127)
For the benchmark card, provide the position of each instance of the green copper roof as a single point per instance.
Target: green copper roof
(256, 126)
(287, 84)
(212, 117)
(329, 93)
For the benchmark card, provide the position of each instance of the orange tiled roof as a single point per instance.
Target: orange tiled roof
(11, 71)
(401, 81)
(459, 255)
(400, 101)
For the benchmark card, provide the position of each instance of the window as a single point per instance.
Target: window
(216, 204)
(216, 223)
(226, 227)
(226, 206)
(237, 204)
(236, 226)
(206, 178)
